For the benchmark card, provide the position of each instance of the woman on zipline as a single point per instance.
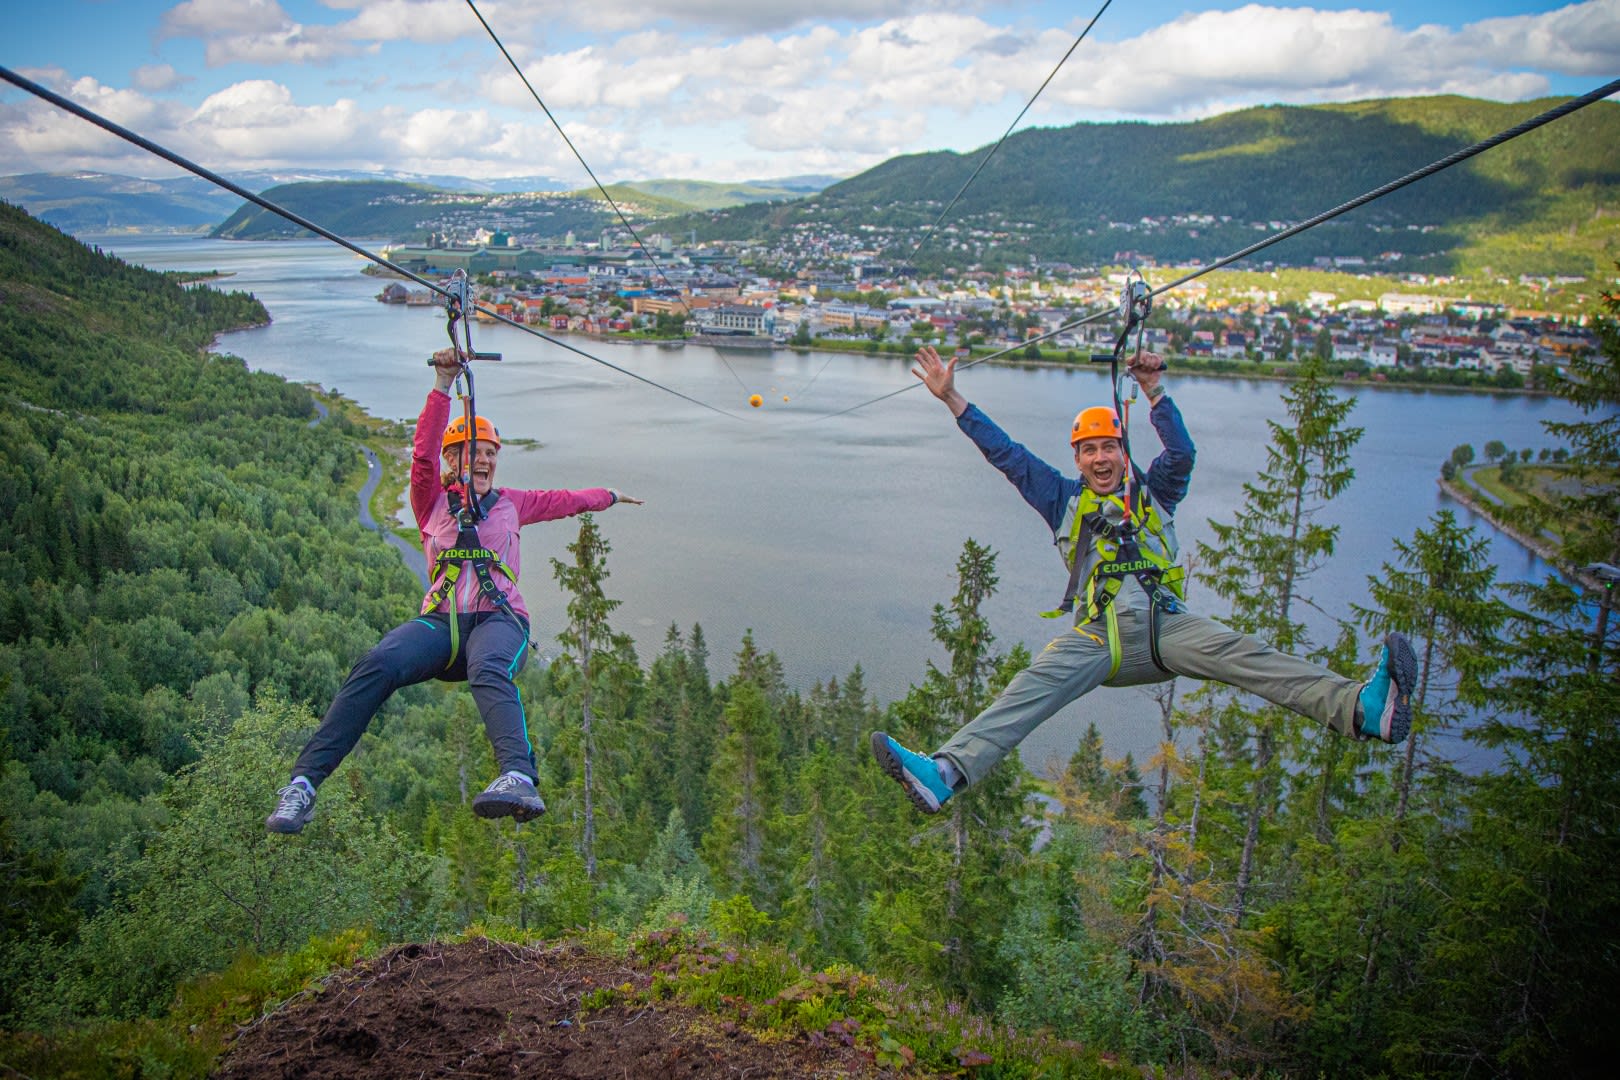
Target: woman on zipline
(473, 625)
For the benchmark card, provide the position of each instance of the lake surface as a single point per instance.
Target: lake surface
(833, 537)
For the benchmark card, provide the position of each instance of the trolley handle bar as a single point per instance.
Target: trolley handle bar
(1108, 358)
(473, 356)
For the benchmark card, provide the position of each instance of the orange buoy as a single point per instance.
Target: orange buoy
(784, 397)
(756, 401)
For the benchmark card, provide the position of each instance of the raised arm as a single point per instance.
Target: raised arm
(1171, 472)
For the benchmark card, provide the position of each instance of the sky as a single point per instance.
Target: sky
(722, 90)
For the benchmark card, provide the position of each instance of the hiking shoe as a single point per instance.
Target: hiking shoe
(294, 807)
(919, 775)
(509, 796)
(1386, 700)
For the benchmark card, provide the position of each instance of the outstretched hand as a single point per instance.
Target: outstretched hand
(621, 497)
(940, 378)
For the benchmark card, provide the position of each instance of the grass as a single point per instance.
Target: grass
(764, 989)
(760, 987)
(186, 1043)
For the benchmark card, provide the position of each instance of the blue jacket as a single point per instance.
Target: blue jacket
(1049, 491)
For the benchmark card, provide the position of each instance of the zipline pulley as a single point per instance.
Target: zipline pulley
(1135, 305)
(458, 305)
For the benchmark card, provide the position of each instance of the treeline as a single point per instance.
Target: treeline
(1259, 896)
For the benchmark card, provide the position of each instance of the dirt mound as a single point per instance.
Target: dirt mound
(483, 1009)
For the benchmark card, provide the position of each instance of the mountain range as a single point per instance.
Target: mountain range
(92, 202)
(1545, 202)
(1548, 201)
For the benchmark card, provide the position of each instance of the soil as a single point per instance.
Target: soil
(484, 1009)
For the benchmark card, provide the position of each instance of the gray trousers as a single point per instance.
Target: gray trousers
(1077, 663)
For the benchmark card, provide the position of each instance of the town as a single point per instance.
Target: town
(828, 290)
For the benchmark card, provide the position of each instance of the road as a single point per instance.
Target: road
(415, 561)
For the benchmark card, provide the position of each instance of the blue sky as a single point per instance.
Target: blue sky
(719, 89)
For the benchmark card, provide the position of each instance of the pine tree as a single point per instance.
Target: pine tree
(985, 831)
(746, 791)
(1260, 564)
(697, 725)
(1513, 975)
(1441, 596)
(597, 654)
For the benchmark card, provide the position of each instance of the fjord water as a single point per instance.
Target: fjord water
(833, 537)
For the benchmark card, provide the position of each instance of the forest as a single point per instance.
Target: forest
(186, 585)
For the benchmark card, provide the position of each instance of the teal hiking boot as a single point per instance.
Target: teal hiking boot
(916, 773)
(1386, 701)
(295, 805)
(509, 796)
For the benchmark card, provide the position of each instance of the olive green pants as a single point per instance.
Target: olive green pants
(1078, 662)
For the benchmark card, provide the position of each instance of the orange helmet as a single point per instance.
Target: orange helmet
(1097, 422)
(457, 432)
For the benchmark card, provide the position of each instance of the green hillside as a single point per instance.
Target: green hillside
(705, 195)
(385, 208)
(392, 210)
(1082, 193)
(638, 202)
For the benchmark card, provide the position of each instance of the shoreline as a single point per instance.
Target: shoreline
(1539, 546)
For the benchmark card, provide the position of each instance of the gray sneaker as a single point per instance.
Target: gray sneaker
(295, 807)
(509, 796)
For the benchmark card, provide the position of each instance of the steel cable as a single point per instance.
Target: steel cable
(623, 220)
(53, 98)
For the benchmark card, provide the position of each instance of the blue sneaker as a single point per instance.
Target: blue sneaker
(1386, 701)
(916, 773)
(509, 796)
(295, 805)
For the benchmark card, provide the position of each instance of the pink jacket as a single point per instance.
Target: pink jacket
(499, 532)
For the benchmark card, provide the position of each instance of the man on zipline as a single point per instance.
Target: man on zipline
(473, 626)
(1131, 624)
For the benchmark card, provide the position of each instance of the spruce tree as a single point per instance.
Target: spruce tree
(1259, 565)
(1526, 944)
(1440, 593)
(600, 658)
(746, 782)
(984, 833)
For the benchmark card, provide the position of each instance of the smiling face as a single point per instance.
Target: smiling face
(483, 466)
(1101, 463)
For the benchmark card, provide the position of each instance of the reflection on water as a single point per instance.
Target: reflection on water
(832, 537)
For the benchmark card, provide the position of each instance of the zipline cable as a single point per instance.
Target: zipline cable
(592, 174)
(986, 159)
(1095, 316)
(67, 105)
(1555, 113)
(918, 246)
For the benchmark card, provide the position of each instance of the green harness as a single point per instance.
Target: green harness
(467, 552)
(1121, 553)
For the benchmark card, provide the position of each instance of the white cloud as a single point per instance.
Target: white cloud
(413, 20)
(251, 32)
(1582, 39)
(527, 20)
(155, 78)
(37, 135)
(678, 91)
(256, 122)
